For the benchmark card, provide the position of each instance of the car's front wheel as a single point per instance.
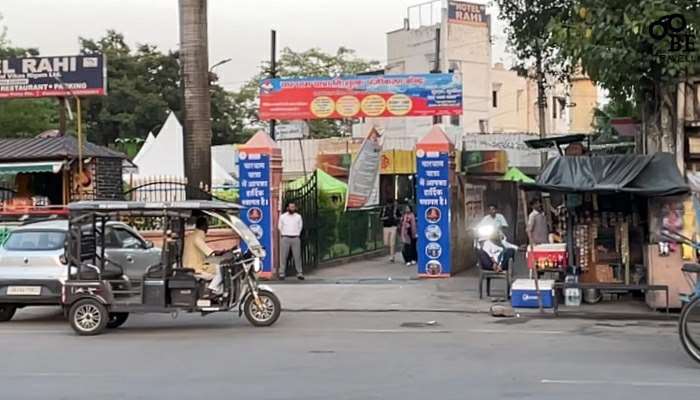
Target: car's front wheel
(88, 317)
(7, 311)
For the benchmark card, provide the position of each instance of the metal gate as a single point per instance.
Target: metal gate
(306, 200)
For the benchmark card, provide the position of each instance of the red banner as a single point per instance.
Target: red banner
(361, 96)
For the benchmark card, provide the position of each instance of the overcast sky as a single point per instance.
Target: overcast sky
(238, 29)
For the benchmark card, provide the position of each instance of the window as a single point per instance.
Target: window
(122, 239)
(454, 120)
(35, 240)
(494, 98)
(483, 126)
(554, 107)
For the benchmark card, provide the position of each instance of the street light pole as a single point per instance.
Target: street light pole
(80, 124)
(222, 62)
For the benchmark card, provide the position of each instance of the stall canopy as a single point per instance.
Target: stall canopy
(649, 175)
(516, 175)
(326, 183)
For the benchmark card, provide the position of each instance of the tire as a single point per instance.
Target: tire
(7, 311)
(689, 344)
(88, 317)
(117, 319)
(265, 317)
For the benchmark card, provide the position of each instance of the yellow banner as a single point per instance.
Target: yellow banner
(398, 162)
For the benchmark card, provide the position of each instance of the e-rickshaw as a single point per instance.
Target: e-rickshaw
(97, 295)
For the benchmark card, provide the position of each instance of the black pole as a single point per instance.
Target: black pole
(436, 66)
(570, 245)
(273, 74)
(62, 115)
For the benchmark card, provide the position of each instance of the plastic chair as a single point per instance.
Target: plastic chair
(487, 275)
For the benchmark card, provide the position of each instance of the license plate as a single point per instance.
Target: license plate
(24, 290)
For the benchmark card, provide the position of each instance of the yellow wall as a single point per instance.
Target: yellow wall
(585, 95)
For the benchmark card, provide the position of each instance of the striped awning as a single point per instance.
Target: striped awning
(30, 167)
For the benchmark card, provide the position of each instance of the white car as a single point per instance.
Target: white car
(31, 270)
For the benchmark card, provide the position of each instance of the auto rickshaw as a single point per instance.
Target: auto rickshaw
(97, 295)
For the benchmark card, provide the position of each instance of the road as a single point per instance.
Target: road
(351, 355)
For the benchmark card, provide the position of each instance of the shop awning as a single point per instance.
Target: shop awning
(29, 167)
(516, 175)
(650, 175)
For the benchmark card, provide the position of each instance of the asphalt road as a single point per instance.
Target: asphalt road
(316, 355)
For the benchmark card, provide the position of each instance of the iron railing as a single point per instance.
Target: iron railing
(349, 233)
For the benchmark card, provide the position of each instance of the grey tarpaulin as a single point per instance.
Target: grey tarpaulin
(650, 175)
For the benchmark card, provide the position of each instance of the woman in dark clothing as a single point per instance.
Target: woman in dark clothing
(409, 236)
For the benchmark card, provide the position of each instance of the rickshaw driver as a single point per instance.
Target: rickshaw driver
(195, 256)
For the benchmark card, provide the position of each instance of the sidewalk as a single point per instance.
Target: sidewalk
(377, 285)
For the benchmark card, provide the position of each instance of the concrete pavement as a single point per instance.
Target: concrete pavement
(378, 285)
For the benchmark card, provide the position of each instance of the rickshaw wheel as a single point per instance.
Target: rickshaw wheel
(267, 313)
(88, 317)
(117, 319)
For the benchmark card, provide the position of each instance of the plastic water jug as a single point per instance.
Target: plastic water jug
(572, 296)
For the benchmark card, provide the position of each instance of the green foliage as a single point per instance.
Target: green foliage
(24, 117)
(611, 42)
(309, 63)
(529, 32)
(604, 131)
(143, 84)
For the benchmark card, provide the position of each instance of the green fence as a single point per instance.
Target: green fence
(342, 234)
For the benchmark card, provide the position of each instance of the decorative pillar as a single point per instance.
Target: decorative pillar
(260, 177)
(435, 166)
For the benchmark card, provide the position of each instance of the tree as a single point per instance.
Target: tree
(196, 98)
(309, 63)
(610, 40)
(604, 131)
(24, 117)
(528, 39)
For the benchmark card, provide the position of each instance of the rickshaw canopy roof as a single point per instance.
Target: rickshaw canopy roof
(149, 207)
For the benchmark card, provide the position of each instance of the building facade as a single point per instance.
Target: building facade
(496, 100)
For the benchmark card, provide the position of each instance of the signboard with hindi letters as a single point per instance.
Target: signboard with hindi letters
(363, 181)
(418, 95)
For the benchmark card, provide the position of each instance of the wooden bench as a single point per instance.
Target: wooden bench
(604, 287)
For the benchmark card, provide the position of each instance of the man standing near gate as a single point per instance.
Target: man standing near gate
(290, 226)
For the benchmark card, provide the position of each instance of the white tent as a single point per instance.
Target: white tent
(144, 148)
(163, 156)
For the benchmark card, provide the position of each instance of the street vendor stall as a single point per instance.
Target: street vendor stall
(39, 176)
(605, 217)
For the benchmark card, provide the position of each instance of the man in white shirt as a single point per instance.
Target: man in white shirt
(290, 226)
(494, 218)
(498, 254)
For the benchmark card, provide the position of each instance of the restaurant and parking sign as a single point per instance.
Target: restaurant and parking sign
(27, 77)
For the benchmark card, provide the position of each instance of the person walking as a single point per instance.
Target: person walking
(389, 221)
(290, 226)
(409, 236)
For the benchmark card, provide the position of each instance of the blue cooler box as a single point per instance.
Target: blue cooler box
(524, 295)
